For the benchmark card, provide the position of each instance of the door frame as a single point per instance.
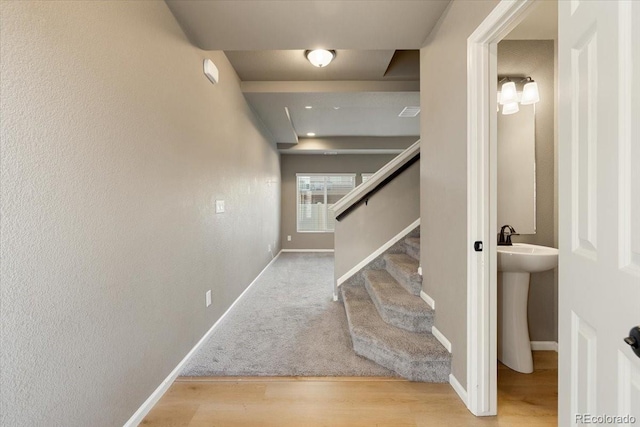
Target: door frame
(482, 86)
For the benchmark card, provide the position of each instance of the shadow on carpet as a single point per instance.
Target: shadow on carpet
(286, 325)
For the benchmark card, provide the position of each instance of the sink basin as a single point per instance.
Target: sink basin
(526, 258)
(515, 265)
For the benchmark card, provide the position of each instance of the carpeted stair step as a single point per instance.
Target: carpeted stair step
(412, 245)
(395, 305)
(417, 356)
(404, 268)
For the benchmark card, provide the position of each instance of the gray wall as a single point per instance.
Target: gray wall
(536, 58)
(114, 147)
(389, 211)
(443, 174)
(293, 164)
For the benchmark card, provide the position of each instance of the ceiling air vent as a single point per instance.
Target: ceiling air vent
(409, 112)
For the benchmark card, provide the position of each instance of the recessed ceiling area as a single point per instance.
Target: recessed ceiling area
(357, 113)
(291, 65)
(374, 76)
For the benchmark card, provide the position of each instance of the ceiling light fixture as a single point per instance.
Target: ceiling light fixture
(311, 134)
(320, 57)
(308, 107)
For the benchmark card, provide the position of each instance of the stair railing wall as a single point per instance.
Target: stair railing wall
(376, 212)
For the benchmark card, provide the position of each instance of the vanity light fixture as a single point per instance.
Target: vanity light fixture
(530, 93)
(509, 97)
(510, 108)
(508, 94)
(320, 57)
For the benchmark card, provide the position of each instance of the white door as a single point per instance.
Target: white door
(599, 218)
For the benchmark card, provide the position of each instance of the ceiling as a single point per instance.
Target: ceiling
(307, 24)
(373, 77)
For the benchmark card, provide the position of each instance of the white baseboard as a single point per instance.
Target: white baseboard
(455, 384)
(426, 298)
(144, 409)
(307, 250)
(440, 337)
(377, 252)
(544, 346)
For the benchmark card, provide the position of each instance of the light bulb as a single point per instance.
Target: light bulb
(320, 57)
(508, 94)
(530, 94)
(510, 108)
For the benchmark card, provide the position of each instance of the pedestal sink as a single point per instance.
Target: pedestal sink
(515, 265)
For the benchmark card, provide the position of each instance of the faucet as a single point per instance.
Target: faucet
(504, 237)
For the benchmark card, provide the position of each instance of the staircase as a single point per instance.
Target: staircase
(388, 321)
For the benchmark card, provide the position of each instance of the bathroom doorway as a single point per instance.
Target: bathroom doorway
(526, 217)
(598, 218)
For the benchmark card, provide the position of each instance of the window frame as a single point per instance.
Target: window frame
(369, 175)
(297, 198)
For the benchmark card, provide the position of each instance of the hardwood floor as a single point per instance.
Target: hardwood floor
(523, 400)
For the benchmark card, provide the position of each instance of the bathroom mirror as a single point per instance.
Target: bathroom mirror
(517, 170)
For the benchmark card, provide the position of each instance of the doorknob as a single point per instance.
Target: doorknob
(634, 340)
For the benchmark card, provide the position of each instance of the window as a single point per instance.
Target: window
(366, 176)
(316, 195)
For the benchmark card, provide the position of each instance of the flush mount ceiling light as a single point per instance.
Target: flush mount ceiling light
(311, 134)
(320, 57)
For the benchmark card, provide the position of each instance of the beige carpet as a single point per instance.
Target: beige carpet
(285, 325)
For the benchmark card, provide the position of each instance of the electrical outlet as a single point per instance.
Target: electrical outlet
(207, 297)
(219, 206)
(288, 238)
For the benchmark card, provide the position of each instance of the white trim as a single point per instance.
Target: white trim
(329, 151)
(426, 298)
(457, 387)
(351, 175)
(481, 213)
(307, 250)
(440, 337)
(148, 404)
(544, 346)
(354, 195)
(376, 253)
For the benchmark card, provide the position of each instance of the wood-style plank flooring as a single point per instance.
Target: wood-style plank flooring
(523, 400)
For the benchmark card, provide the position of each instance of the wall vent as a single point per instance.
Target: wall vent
(409, 112)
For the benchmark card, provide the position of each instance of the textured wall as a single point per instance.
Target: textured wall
(293, 164)
(536, 58)
(114, 146)
(443, 174)
(389, 211)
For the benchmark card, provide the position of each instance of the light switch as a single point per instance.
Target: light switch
(219, 206)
